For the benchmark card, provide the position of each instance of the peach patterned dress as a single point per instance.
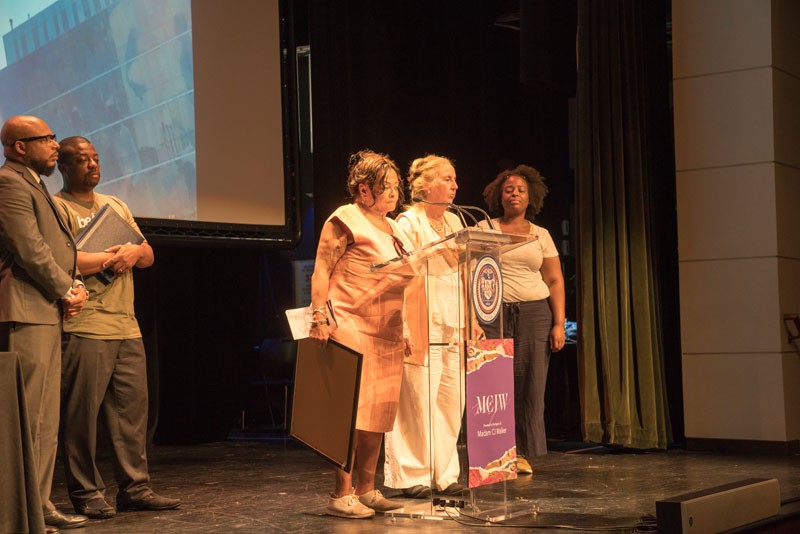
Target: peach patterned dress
(368, 307)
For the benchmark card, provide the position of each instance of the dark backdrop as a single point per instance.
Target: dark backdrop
(486, 83)
(444, 77)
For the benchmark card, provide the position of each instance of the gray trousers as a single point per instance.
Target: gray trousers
(105, 378)
(39, 349)
(529, 323)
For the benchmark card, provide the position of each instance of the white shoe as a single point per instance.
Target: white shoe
(375, 500)
(348, 506)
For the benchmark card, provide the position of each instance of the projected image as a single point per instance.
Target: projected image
(119, 72)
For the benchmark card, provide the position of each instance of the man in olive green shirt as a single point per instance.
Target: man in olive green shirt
(104, 368)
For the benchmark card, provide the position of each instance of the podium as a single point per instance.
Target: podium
(456, 294)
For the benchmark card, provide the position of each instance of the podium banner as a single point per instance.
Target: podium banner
(491, 443)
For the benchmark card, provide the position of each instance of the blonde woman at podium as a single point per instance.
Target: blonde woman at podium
(421, 448)
(533, 301)
(368, 308)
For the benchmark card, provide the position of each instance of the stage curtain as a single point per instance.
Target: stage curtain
(621, 352)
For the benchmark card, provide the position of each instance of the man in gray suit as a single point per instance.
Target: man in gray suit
(39, 287)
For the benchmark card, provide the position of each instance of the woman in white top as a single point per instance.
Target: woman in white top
(421, 448)
(533, 301)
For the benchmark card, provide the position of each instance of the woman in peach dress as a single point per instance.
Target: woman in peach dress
(368, 307)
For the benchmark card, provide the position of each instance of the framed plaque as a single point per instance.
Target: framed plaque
(325, 402)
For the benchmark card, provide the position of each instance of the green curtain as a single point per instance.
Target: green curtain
(621, 367)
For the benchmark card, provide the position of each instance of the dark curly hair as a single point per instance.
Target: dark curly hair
(537, 190)
(370, 168)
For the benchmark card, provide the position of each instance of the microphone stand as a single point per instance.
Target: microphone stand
(461, 212)
(482, 212)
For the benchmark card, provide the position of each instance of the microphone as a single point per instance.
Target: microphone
(461, 211)
(482, 212)
(457, 209)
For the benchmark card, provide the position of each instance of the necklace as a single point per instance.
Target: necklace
(438, 229)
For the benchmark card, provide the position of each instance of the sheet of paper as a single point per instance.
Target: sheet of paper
(299, 321)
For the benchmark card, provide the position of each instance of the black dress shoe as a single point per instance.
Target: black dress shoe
(96, 508)
(149, 502)
(65, 521)
(417, 492)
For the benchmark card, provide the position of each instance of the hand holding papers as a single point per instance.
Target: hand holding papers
(300, 320)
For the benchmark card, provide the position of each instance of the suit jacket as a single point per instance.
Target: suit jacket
(38, 260)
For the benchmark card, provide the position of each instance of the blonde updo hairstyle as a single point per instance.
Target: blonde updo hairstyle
(372, 169)
(423, 172)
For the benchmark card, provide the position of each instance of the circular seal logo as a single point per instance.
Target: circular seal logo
(487, 289)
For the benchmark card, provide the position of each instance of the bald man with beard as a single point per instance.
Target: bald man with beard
(39, 288)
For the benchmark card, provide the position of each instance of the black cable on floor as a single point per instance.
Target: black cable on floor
(647, 523)
(479, 522)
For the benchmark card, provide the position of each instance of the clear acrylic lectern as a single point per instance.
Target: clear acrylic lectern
(458, 263)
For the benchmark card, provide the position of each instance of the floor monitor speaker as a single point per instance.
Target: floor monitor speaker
(720, 508)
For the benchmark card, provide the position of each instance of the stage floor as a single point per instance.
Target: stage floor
(276, 485)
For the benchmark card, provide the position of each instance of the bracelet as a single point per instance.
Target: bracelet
(321, 322)
(321, 310)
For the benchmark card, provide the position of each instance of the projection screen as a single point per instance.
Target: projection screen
(191, 105)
